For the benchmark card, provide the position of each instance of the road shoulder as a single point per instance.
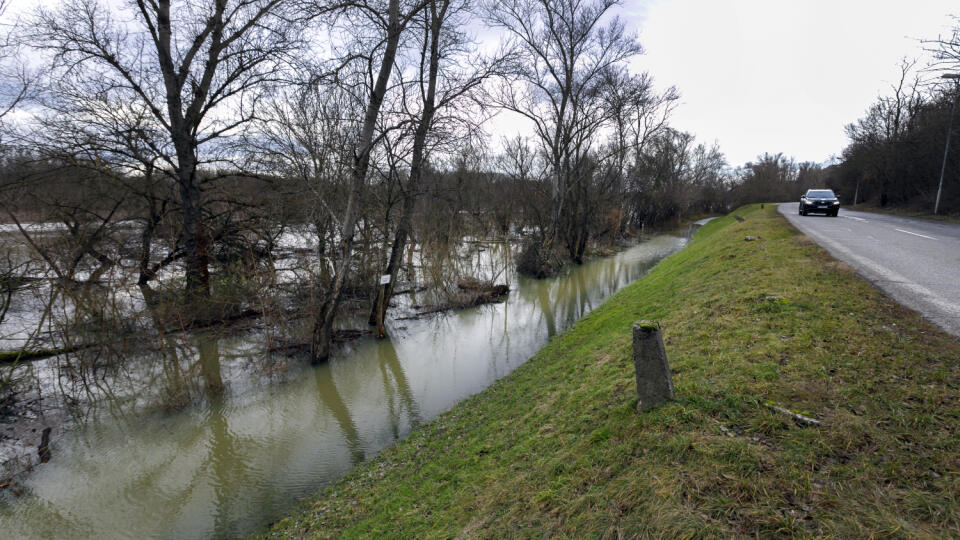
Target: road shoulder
(901, 288)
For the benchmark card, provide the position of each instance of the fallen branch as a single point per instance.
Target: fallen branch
(303, 347)
(410, 290)
(13, 357)
(796, 416)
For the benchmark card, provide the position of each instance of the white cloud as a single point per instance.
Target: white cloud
(779, 76)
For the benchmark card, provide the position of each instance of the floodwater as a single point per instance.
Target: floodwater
(247, 451)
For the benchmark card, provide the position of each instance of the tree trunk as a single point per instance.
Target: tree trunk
(323, 324)
(146, 246)
(194, 239)
(385, 290)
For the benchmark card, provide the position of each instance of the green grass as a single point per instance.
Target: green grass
(556, 449)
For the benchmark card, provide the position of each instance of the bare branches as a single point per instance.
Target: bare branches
(104, 59)
(945, 49)
(565, 54)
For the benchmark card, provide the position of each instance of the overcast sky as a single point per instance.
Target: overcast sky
(779, 76)
(770, 75)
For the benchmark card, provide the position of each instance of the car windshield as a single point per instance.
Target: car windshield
(820, 194)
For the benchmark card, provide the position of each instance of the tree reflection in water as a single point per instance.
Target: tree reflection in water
(399, 396)
(202, 434)
(331, 399)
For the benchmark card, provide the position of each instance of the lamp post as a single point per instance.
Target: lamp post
(946, 148)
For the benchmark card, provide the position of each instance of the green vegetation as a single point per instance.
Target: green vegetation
(556, 448)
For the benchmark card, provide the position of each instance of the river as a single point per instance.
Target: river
(252, 447)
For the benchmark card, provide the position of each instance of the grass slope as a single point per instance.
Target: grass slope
(557, 449)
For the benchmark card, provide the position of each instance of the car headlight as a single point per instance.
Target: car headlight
(836, 202)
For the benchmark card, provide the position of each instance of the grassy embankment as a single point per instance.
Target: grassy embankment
(557, 448)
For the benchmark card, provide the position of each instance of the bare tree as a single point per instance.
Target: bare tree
(16, 82)
(945, 49)
(306, 136)
(444, 77)
(199, 67)
(390, 27)
(566, 49)
(638, 114)
(117, 140)
(885, 128)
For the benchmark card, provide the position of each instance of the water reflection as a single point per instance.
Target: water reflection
(398, 394)
(542, 291)
(332, 401)
(208, 358)
(227, 468)
(208, 436)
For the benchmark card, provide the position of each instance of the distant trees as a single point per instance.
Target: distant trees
(772, 177)
(896, 149)
(776, 178)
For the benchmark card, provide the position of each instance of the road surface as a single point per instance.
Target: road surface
(915, 262)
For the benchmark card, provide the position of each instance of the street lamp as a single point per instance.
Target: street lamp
(946, 148)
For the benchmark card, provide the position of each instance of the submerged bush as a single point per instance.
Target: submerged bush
(537, 260)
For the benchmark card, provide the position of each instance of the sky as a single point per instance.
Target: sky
(776, 75)
(771, 76)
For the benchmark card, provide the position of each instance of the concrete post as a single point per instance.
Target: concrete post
(654, 385)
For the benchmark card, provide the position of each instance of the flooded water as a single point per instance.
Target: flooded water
(246, 451)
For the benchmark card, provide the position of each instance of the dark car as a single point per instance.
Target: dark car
(821, 201)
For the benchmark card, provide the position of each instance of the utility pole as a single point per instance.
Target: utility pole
(946, 148)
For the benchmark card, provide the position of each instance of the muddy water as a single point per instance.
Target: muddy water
(243, 453)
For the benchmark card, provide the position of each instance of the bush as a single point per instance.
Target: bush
(537, 260)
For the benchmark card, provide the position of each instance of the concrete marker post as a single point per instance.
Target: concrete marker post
(654, 384)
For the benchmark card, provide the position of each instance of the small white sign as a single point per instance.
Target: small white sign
(385, 279)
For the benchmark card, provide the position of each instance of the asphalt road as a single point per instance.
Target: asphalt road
(915, 262)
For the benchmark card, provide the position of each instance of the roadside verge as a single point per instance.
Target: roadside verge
(557, 449)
